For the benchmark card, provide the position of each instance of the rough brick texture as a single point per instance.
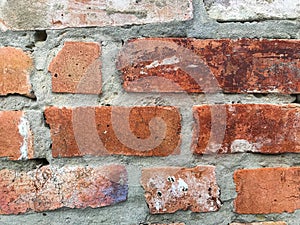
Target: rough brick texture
(261, 223)
(15, 69)
(267, 190)
(77, 68)
(16, 139)
(193, 66)
(263, 128)
(141, 131)
(172, 188)
(50, 187)
(231, 10)
(45, 14)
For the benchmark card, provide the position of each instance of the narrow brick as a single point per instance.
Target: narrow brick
(49, 14)
(169, 189)
(51, 187)
(267, 190)
(262, 128)
(140, 131)
(204, 66)
(16, 138)
(231, 10)
(15, 69)
(261, 223)
(77, 69)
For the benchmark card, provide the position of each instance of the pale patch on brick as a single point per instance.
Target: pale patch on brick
(170, 189)
(55, 14)
(249, 10)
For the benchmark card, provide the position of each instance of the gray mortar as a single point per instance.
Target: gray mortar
(134, 210)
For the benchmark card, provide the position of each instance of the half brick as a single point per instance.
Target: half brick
(16, 138)
(169, 189)
(15, 70)
(77, 69)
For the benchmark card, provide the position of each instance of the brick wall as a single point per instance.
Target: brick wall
(150, 112)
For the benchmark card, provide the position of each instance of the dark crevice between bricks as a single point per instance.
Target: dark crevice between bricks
(297, 99)
(31, 95)
(39, 162)
(40, 35)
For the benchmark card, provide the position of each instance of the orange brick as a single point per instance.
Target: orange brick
(202, 66)
(15, 69)
(16, 139)
(262, 128)
(77, 68)
(51, 187)
(267, 190)
(140, 131)
(169, 189)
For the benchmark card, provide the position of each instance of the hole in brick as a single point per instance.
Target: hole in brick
(55, 75)
(259, 95)
(107, 125)
(40, 35)
(69, 75)
(159, 193)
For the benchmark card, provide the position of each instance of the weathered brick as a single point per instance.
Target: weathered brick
(231, 10)
(46, 14)
(170, 189)
(261, 223)
(51, 187)
(202, 66)
(16, 139)
(141, 131)
(77, 68)
(262, 128)
(15, 69)
(267, 190)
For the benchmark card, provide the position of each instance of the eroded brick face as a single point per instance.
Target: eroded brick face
(267, 190)
(233, 128)
(202, 66)
(15, 69)
(46, 14)
(169, 189)
(16, 139)
(140, 131)
(50, 187)
(230, 10)
(77, 68)
(261, 223)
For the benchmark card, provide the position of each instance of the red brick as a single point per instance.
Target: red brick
(77, 68)
(15, 69)
(269, 129)
(201, 66)
(267, 190)
(48, 14)
(261, 223)
(50, 188)
(16, 139)
(140, 131)
(169, 189)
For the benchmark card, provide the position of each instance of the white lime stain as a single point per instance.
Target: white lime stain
(24, 132)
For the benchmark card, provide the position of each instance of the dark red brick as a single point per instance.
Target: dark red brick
(51, 187)
(140, 131)
(262, 128)
(201, 66)
(267, 190)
